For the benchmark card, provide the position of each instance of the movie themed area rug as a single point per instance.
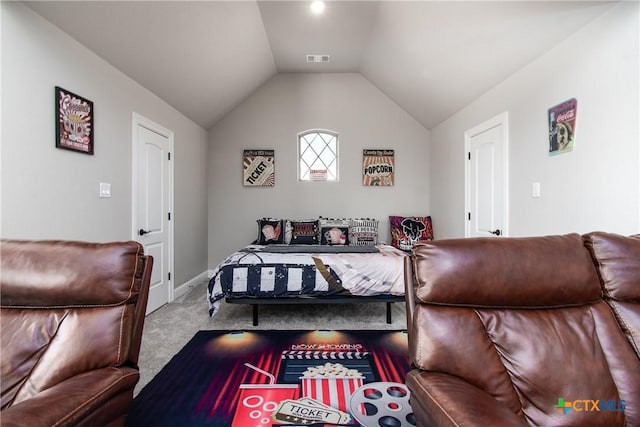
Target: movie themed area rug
(281, 378)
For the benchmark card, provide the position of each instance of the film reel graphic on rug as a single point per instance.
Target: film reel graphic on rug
(382, 404)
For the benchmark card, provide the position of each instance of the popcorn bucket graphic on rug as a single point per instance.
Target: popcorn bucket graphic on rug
(258, 401)
(332, 391)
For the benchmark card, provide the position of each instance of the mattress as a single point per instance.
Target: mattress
(268, 272)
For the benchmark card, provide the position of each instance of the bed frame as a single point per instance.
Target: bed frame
(336, 299)
(329, 299)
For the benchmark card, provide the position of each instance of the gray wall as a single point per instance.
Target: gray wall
(272, 117)
(48, 193)
(595, 187)
(51, 193)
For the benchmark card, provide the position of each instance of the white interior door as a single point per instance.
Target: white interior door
(486, 172)
(152, 205)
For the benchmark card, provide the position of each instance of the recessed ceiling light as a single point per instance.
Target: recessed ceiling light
(317, 7)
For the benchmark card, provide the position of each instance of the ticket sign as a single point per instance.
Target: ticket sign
(259, 168)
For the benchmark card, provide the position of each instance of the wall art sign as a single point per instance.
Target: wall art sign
(562, 127)
(378, 168)
(259, 168)
(74, 122)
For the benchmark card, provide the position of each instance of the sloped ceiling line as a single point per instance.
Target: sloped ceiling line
(431, 57)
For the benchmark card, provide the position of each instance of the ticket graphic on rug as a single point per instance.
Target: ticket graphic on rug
(307, 411)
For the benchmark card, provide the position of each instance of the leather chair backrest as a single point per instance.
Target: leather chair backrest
(618, 261)
(67, 308)
(524, 320)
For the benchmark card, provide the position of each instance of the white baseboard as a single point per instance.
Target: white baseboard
(190, 284)
(210, 273)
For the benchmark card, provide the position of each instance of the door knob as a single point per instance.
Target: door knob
(142, 232)
(496, 232)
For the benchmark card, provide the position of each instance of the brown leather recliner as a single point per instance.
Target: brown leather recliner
(538, 331)
(72, 315)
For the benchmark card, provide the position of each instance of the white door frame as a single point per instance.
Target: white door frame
(138, 120)
(500, 119)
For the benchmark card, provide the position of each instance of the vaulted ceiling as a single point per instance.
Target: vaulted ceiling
(431, 57)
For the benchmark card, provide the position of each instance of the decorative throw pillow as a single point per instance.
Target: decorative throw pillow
(406, 231)
(287, 232)
(304, 232)
(270, 231)
(363, 232)
(333, 231)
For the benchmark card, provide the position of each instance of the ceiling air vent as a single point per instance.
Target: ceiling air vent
(318, 58)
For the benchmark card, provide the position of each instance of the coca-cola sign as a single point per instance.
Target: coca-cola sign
(562, 127)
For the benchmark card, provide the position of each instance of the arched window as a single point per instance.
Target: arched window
(318, 155)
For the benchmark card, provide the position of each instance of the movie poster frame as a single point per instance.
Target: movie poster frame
(562, 125)
(62, 131)
(249, 159)
(378, 157)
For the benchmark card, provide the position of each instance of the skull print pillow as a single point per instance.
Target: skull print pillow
(406, 231)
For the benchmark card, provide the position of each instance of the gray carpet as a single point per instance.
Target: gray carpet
(169, 328)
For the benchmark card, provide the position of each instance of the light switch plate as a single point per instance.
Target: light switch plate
(105, 189)
(535, 189)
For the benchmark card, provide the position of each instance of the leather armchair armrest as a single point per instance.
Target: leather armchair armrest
(95, 397)
(439, 399)
(409, 294)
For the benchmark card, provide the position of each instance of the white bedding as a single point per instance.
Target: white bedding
(369, 274)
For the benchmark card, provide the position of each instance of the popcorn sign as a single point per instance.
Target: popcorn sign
(74, 125)
(378, 168)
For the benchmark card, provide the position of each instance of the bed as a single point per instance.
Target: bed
(309, 274)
